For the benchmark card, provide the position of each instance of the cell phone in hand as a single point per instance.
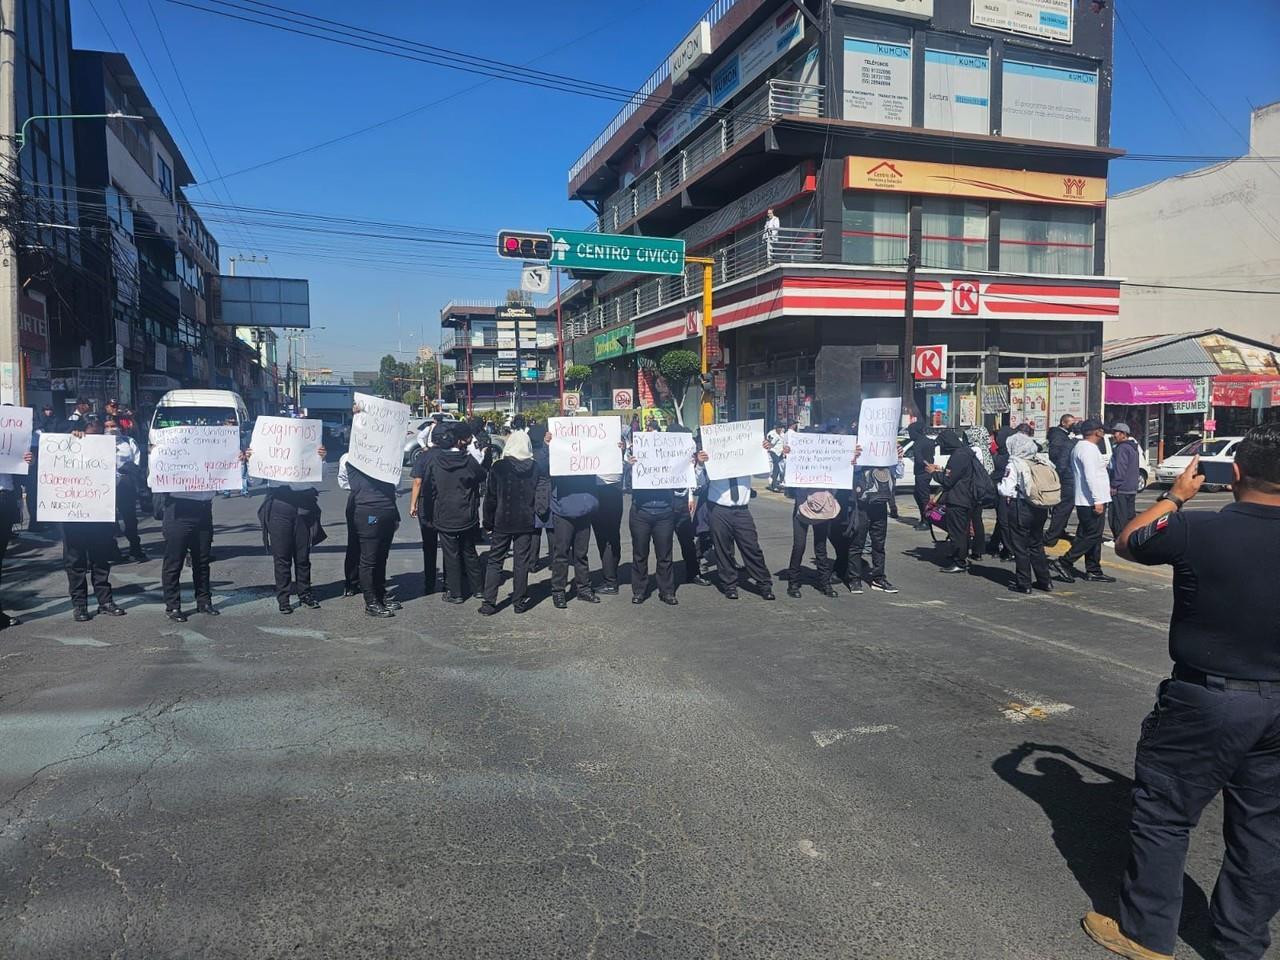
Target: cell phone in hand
(1217, 472)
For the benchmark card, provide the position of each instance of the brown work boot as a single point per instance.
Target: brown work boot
(1106, 932)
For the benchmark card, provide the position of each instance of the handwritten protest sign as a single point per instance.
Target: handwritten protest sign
(15, 438)
(735, 449)
(286, 450)
(378, 434)
(820, 461)
(194, 459)
(664, 461)
(585, 446)
(878, 431)
(77, 479)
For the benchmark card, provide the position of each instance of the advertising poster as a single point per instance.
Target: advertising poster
(878, 421)
(1067, 394)
(378, 434)
(1029, 402)
(820, 460)
(77, 479)
(957, 91)
(585, 446)
(664, 461)
(286, 450)
(877, 82)
(1049, 103)
(735, 449)
(194, 460)
(15, 439)
(1047, 19)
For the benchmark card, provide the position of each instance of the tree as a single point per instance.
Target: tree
(576, 374)
(679, 368)
(395, 378)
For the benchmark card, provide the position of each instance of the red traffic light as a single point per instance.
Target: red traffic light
(524, 246)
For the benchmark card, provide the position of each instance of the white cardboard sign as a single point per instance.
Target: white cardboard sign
(286, 450)
(378, 434)
(820, 461)
(878, 431)
(664, 461)
(735, 449)
(77, 479)
(15, 439)
(585, 446)
(194, 459)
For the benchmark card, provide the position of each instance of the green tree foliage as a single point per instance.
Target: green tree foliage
(576, 374)
(679, 368)
(397, 379)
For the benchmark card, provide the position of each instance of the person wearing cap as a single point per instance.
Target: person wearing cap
(1125, 473)
(1093, 495)
(729, 502)
(516, 493)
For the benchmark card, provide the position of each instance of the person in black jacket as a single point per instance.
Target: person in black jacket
(291, 525)
(1000, 543)
(652, 519)
(376, 518)
(1062, 441)
(454, 480)
(922, 451)
(517, 493)
(441, 439)
(957, 480)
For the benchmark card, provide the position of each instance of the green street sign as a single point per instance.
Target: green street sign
(623, 253)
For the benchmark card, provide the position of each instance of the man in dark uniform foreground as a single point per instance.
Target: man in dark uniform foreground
(1216, 724)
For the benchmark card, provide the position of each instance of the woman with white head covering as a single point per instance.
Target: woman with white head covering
(517, 494)
(1029, 472)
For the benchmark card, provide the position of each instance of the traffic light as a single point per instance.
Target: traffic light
(519, 245)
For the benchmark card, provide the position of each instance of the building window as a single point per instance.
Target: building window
(875, 228)
(954, 234)
(1046, 239)
(166, 177)
(957, 85)
(1056, 101)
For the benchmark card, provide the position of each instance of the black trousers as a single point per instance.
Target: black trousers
(1124, 507)
(1200, 741)
(688, 543)
(351, 561)
(658, 528)
(838, 535)
(872, 519)
(522, 548)
(29, 482)
(799, 538)
(461, 563)
(376, 531)
(430, 541)
(921, 491)
(1061, 514)
(188, 531)
(289, 530)
(1088, 542)
(979, 541)
(570, 541)
(999, 542)
(732, 526)
(1026, 541)
(8, 517)
(87, 551)
(127, 511)
(606, 523)
(957, 522)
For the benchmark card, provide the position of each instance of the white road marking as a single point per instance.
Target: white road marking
(825, 738)
(77, 641)
(917, 603)
(299, 632)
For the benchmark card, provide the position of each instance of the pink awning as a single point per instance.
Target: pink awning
(1135, 392)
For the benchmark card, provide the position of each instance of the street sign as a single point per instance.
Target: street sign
(535, 278)
(623, 399)
(930, 363)
(622, 253)
(571, 402)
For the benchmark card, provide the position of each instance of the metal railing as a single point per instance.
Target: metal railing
(490, 375)
(733, 262)
(712, 16)
(772, 102)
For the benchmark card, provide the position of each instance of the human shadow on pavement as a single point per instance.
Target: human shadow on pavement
(1091, 828)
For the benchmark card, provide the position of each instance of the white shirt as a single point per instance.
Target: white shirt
(1093, 486)
(344, 483)
(777, 439)
(720, 492)
(127, 452)
(771, 227)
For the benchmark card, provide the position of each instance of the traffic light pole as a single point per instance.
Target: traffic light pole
(708, 275)
(559, 343)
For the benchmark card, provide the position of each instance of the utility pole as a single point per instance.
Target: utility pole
(10, 351)
(909, 337)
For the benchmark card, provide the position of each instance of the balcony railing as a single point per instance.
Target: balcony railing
(772, 102)
(738, 260)
(490, 375)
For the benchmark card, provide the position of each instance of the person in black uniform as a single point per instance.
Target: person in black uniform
(684, 504)
(291, 525)
(1216, 724)
(376, 518)
(652, 520)
(128, 472)
(922, 451)
(351, 558)
(186, 523)
(441, 439)
(87, 552)
(732, 525)
(454, 484)
(957, 480)
(10, 514)
(1062, 440)
(516, 494)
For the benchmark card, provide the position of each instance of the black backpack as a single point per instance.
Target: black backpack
(984, 488)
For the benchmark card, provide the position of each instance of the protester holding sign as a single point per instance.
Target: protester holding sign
(378, 429)
(573, 502)
(290, 514)
(660, 463)
(128, 474)
(811, 456)
(874, 490)
(89, 547)
(516, 493)
(729, 499)
(376, 519)
(452, 489)
(10, 514)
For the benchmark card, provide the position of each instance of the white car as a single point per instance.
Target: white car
(1171, 468)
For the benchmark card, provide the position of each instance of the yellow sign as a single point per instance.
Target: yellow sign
(958, 180)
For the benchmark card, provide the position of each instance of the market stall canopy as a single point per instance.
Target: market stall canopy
(1139, 392)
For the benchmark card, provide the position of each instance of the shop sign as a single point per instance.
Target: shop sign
(1046, 19)
(957, 180)
(1139, 392)
(930, 363)
(763, 48)
(905, 8)
(1042, 102)
(877, 81)
(1199, 405)
(694, 49)
(33, 324)
(615, 343)
(957, 91)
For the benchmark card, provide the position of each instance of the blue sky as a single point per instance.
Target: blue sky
(498, 155)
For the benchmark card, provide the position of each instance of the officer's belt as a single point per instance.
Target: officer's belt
(1267, 688)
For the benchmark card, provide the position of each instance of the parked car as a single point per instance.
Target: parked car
(411, 442)
(1171, 468)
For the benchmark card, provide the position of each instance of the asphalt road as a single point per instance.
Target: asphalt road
(940, 773)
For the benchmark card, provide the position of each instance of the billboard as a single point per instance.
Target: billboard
(958, 180)
(261, 302)
(1043, 102)
(877, 81)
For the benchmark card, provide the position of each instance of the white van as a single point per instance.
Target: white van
(200, 408)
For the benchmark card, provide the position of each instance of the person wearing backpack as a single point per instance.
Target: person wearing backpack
(874, 489)
(1029, 482)
(979, 439)
(957, 481)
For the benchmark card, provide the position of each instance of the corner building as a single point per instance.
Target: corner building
(968, 136)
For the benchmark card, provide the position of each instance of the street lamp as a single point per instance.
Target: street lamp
(21, 135)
